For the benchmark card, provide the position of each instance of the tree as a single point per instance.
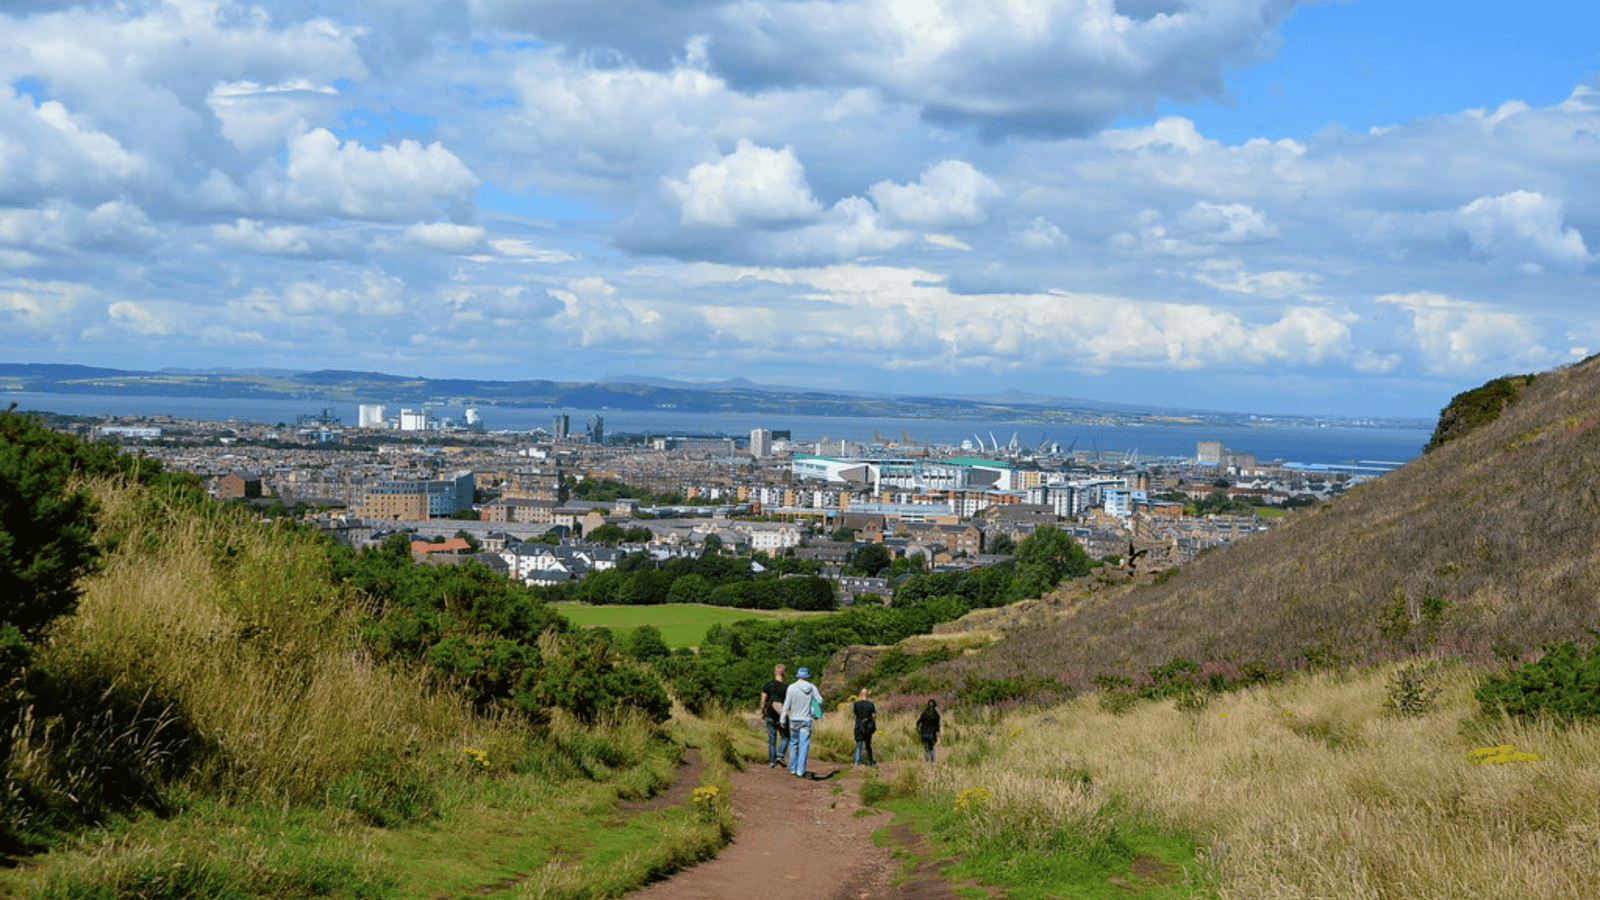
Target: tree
(46, 533)
(1044, 558)
(1002, 544)
(870, 558)
(713, 545)
(647, 644)
(609, 534)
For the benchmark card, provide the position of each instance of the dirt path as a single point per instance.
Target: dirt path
(805, 839)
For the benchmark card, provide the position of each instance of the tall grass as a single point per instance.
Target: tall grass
(234, 631)
(1306, 789)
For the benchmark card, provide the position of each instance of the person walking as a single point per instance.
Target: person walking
(866, 725)
(928, 728)
(802, 705)
(772, 697)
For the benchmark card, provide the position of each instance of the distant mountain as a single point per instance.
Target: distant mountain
(631, 393)
(1489, 541)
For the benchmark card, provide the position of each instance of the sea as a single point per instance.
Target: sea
(1331, 444)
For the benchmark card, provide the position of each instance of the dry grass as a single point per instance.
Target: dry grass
(1308, 790)
(237, 628)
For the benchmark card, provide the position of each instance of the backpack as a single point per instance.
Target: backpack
(816, 706)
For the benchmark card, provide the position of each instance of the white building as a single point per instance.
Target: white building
(372, 416)
(413, 420)
(760, 442)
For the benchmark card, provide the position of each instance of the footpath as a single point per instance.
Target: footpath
(807, 839)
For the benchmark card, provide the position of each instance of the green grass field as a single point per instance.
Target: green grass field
(681, 624)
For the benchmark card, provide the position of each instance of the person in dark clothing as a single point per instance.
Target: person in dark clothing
(928, 728)
(772, 694)
(866, 725)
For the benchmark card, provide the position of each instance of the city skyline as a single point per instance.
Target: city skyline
(1335, 208)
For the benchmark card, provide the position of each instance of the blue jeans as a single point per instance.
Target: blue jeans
(799, 744)
(864, 751)
(777, 742)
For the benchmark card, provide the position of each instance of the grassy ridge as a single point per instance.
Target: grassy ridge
(1489, 544)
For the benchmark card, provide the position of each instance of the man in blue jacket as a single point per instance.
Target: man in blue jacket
(801, 703)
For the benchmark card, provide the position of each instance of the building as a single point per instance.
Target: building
(372, 416)
(560, 426)
(411, 500)
(413, 420)
(597, 429)
(238, 485)
(760, 443)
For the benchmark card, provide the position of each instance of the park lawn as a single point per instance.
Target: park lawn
(681, 624)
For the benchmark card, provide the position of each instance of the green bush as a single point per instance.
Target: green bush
(993, 691)
(1563, 685)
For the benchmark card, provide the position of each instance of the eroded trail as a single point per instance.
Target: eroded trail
(802, 839)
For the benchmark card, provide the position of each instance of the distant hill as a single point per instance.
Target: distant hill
(632, 393)
(1489, 540)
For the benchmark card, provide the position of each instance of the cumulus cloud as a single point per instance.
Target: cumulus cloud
(1456, 336)
(752, 185)
(64, 228)
(1522, 231)
(952, 193)
(328, 177)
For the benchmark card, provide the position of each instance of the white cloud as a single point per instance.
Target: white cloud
(950, 194)
(1458, 337)
(1042, 234)
(1226, 223)
(327, 177)
(1523, 232)
(257, 118)
(446, 237)
(1230, 275)
(520, 249)
(64, 228)
(751, 186)
(283, 240)
(137, 319)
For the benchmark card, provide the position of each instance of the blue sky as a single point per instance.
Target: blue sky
(1342, 207)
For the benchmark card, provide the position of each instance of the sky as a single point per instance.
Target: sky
(1346, 207)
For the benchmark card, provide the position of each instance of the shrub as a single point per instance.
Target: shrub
(1410, 694)
(1564, 685)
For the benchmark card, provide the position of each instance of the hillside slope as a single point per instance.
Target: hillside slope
(1491, 540)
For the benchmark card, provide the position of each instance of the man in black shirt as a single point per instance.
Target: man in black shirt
(771, 702)
(866, 725)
